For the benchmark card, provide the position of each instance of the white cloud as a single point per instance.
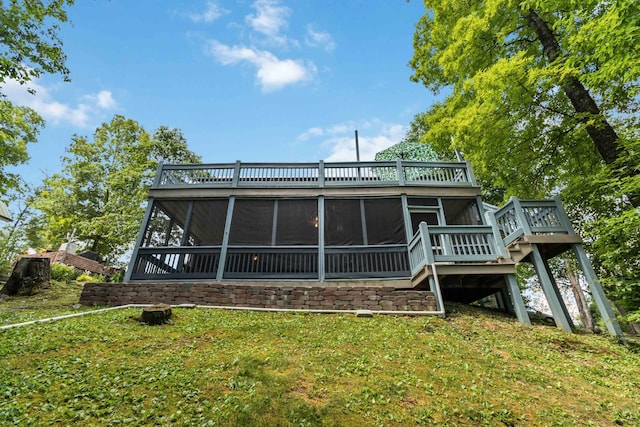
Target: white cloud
(105, 100)
(310, 133)
(272, 73)
(212, 12)
(319, 39)
(269, 19)
(340, 139)
(55, 111)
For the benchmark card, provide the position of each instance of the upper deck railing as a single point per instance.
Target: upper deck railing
(319, 174)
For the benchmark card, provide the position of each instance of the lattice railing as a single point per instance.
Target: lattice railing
(531, 217)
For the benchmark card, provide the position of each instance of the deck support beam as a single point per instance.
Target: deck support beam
(516, 299)
(141, 233)
(512, 287)
(225, 238)
(556, 289)
(321, 266)
(597, 292)
(550, 290)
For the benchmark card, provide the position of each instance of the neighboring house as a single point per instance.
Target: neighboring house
(419, 225)
(85, 261)
(4, 212)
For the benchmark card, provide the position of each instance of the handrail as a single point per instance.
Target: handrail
(318, 174)
(451, 243)
(530, 217)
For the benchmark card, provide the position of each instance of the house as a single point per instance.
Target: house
(409, 225)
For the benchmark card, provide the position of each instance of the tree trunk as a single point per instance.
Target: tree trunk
(581, 302)
(156, 314)
(28, 275)
(601, 132)
(633, 328)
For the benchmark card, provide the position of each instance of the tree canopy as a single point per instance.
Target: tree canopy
(103, 184)
(543, 97)
(29, 47)
(510, 92)
(18, 127)
(30, 41)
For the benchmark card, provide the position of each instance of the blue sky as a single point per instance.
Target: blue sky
(254, 80)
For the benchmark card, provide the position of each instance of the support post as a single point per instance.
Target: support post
(321, 266)
(520, 216)
(597, 292)
(558, 293)
(236, 174)
(143, 227)
(408, 228)
(363, 224)
(548, 286)
(564, 218)
(470, 175)
(400, 172)
(512, 287)
(185, 234)
(501, 301)
(157, 179)
(516, 299)
(425, 237)
(225, 239)
(321, 173)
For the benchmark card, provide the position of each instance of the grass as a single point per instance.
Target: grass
(57, 299)
(214, 367)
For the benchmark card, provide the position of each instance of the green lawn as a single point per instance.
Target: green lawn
(214, 367)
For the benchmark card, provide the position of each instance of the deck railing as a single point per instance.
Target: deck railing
(531, 217)
(315, 174)
(299, 262)
(260, 262)
(366, 261)
(176, 263)
(452, 243)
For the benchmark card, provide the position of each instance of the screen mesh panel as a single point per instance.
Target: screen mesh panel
(461, 212)
(165, 223)
(385, 221)
(431, 218)
(207, 222)
(297, 222)
(343, 222)
(252, 222)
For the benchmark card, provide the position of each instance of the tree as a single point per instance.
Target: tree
(14, 238)
(543, 98)
(525, 76)
(18, 127)
(30, 39)
(103, 184)
(29, 47)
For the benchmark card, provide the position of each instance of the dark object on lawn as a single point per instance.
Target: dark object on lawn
(156, 314)
(28, 275)
(540, 317)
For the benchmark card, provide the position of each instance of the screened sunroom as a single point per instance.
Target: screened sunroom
(291, 221)
(264, 238)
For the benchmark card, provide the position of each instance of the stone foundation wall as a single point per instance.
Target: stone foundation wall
(259, 296)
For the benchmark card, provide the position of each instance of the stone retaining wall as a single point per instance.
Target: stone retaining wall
(259, 296)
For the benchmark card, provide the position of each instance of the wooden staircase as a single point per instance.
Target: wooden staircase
(518, 250)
